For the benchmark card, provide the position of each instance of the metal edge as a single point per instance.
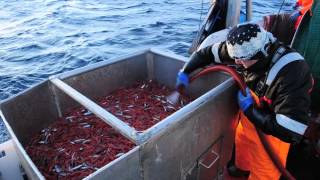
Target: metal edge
(20, 148)
(22, 92)
(150, 65)
(181, 113)
(97, 65)
(107, 117)
(169, 54)
(233, 13)
(56, 98)
(249, 9)
(111, 163)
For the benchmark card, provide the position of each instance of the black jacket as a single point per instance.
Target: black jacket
(287, 99)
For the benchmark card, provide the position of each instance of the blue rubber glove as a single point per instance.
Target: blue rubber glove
(182, 79)
(245, 101)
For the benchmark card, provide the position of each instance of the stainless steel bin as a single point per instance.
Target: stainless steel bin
(175, 148)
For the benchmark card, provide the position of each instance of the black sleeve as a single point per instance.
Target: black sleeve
(199, 59)
(268, 124)
(292, 91)
(291, 99)
(205, 56)
(224, 55)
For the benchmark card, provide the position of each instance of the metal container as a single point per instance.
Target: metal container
(193, 143)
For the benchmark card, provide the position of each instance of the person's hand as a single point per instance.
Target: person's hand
(182, 79)
(245, 101)
(294, 16)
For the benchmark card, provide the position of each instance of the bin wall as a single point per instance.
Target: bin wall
(30, 111)
(126, 167)
(165, 70)
(176, 151)
(98, 82)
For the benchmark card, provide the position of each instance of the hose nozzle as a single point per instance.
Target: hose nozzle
(174, 97)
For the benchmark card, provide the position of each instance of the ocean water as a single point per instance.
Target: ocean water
(39, 38)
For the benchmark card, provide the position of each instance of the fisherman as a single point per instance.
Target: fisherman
(278, 79)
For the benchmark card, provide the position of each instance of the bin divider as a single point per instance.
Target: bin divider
(107, 117)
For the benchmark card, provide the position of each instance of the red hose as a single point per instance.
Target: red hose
(273, 156)
(234, 74)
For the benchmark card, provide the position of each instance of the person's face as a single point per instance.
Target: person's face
(245, 63)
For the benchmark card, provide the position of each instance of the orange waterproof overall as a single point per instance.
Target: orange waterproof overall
(305, 5)
(251, 155)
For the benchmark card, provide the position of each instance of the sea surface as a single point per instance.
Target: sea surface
(39, 38)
